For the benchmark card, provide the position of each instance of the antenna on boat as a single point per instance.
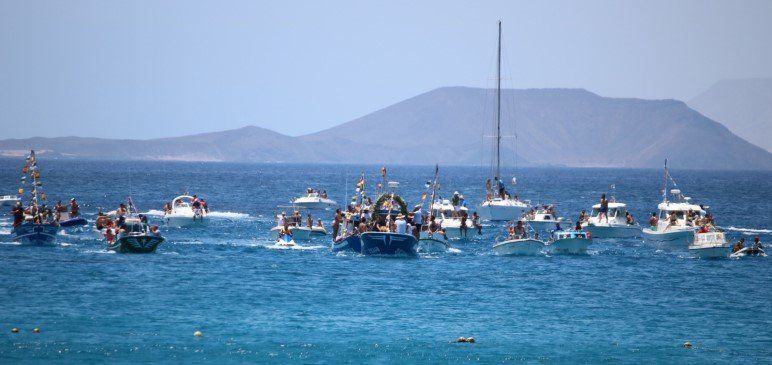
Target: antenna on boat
(664, 184)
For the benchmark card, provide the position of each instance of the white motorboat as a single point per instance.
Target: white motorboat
(569, 242)
(749, 251)
(674, 223)
(185, 213)
(450, 219)
(710, 245)
(542, 219)
(314, 200)
(9, 200)
(432, 243)
(519, 247)
(613, 224)
(499, 205)
(299, 231)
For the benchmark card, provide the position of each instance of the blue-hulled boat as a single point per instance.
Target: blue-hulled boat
(350, 243)
(73, 222)
(137, 237)
(29, 233)
(34, 225)
(389, 243)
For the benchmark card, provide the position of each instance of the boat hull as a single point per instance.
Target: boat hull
(186, 221)
(543, 226)
(73, 222)
(36, 234)
(710, 252)
(519, 247)
(387, 243)
(137, 244)
(490, 211)
(613, 231)
(318, 232)
(672, 236)
(350, 243)
(313, 205)
(571, 246)
(432, 245)
(300, 233)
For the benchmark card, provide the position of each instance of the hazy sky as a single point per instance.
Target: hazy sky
(142, 69)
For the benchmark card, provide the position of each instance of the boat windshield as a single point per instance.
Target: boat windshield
(136, 228)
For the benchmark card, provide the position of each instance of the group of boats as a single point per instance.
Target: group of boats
(123, 230)
(388, 226)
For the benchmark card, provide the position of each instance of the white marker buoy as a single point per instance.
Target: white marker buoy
(198, 334)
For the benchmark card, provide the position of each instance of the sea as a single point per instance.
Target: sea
(626, 301)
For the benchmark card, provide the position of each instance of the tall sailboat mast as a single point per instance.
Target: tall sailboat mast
(498, 109)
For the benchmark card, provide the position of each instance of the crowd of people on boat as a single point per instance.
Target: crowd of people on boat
(755, 249)
(317, 192)
(499, 190)
(112, 228)
(199, 205)
(43, 214)
(690, 219)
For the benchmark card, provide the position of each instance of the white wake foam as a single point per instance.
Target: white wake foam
(748, 230)
(213, 214)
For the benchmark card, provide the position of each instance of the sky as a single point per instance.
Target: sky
(146, 69)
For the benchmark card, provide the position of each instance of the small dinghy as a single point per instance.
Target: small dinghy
(518, 242)
(34, 225)
(186, 211)
(135, 236)
(569, 242)
(709, 245)
(432, 243)
(749, 251)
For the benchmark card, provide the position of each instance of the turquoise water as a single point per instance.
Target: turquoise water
(627, 301)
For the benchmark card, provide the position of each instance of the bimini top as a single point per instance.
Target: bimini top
(680, 207)
(611, 205)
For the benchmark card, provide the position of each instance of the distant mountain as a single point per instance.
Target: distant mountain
(743, 105)
(569, 127)
(451, 125)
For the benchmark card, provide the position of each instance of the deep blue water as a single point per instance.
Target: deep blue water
(626, 301)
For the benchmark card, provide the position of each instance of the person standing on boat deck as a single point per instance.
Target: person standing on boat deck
(672, 220)
(418, 217)
(121, 211)
(739, 245)
(401, 224)
(204, 205)
(578, 226)
(433, 225)
(476, 222)
(336, 223)
(488, 190)
(74, 208)
(603, 208)
(309, 221)
(519, 231)
(583, 216)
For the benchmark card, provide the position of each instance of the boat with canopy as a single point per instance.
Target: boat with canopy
(675, 222)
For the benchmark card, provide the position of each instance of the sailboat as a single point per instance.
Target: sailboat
(432, 240)
(499, 205)
(34, 225)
